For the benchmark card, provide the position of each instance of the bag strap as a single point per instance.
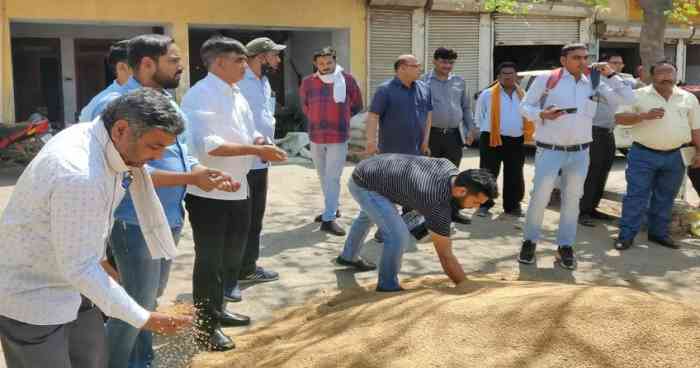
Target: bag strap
(554, 78)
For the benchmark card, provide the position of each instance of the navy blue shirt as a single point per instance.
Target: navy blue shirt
(403, 114)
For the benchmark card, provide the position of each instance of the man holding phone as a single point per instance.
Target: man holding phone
(664, 119)
(562, 139)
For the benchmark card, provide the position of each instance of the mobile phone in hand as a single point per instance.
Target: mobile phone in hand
(568, 110)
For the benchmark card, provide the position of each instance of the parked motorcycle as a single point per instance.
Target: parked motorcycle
(20, 142)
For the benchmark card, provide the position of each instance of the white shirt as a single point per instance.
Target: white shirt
(217, 113)
(570, 129)
(258, 93)
(511, 120)
(54, 232)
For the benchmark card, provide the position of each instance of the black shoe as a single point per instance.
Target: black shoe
(601, 216)
(378, 237)
(360, 265)
(623, 244)
(586, 220)
(460, 219)
(332, 228)
(380, 290)
(319, 218)
(260, 275)
(527, 252)
(233, 294)
(566, 258)
(518, 212)
(664, 241)
(229, 319)
(214, 341)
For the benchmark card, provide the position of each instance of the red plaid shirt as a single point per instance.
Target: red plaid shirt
(329, 122)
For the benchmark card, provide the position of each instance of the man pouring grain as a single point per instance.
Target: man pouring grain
(55, 228)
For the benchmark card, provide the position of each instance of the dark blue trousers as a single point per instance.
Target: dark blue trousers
(653, 182)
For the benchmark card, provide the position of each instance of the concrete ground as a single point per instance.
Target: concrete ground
(293, 246)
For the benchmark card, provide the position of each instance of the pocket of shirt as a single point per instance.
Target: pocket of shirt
(589, 108)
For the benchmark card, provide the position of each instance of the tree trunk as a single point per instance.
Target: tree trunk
(651, 38)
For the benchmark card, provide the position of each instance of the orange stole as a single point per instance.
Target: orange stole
(528, 126)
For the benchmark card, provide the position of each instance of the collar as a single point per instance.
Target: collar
(250, 75)
(132, 84)
(433, 75)
(219, 84)
(566, 74)
(397, 81)
(676, 91)
(113, 159)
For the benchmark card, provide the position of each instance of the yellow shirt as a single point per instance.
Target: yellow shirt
(682, 114)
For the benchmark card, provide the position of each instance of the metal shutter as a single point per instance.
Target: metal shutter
(535, 30)
(458, 32)
(389, 37)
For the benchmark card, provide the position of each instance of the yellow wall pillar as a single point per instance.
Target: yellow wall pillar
(179, 31)
(7, 99)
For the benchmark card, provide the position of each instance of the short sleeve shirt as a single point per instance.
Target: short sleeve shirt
(403, 114)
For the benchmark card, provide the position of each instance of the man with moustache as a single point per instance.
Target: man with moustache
(451, 118)
(663, 120)
(502, 137)
(54, 232)
(157, 64)
(329, 98)
(562, 105)
(401, 114)
(222, 135)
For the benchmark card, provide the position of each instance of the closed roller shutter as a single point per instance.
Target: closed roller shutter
(536, 30)
(461, 33)
(389, 37)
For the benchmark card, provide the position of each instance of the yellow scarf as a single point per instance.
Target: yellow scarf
(528, 126)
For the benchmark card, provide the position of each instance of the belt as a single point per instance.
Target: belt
(444, 130)
(554, 147)
(606, 130)
(639, 145)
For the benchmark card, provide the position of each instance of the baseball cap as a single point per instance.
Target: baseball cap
(263, 44)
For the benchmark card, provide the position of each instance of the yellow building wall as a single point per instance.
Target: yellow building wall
(177, 15)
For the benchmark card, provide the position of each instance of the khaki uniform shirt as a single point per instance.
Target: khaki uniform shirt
(682, 115)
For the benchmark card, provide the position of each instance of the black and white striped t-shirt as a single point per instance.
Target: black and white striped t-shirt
(418, 182)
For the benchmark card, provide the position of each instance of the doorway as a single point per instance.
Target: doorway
(37, 78)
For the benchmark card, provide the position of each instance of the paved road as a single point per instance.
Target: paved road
(294, 247)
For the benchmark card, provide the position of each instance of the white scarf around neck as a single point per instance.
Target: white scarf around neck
(149, 211)
(338, 80)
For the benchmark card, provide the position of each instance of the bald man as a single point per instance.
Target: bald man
(401, 110)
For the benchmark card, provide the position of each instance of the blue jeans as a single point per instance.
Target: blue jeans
(375, 208)
(329, 160)
(144, 279)
(655, 176)
(574, 168)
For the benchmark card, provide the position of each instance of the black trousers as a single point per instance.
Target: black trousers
(257, 195)
(602, 153)
(446, 144)
(220, 230)
(512, 155)
(694, 176)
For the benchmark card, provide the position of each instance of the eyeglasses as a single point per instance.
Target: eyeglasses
(413, 65)
(446, 61)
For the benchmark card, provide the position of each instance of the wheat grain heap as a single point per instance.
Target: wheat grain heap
(482, 323)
